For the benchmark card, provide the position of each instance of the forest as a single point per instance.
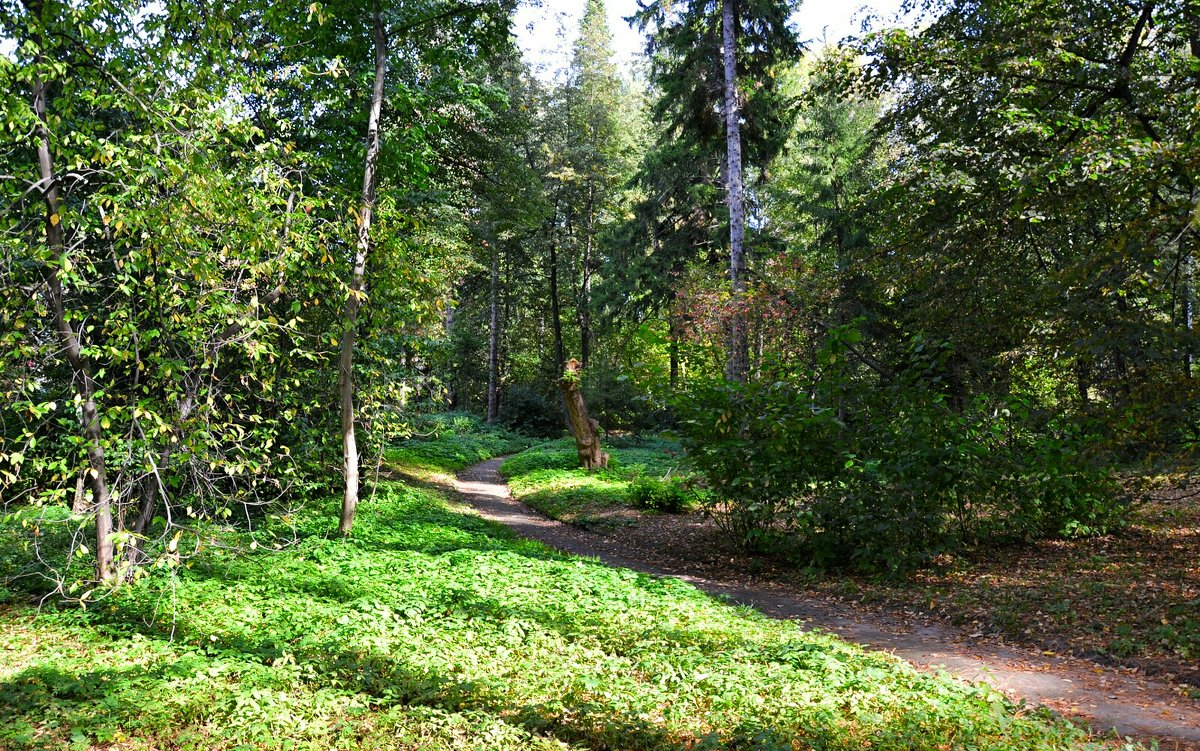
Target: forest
(292, 292)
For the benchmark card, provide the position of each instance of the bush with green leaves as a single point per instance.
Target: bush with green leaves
(762, 448)
(888, 477)
(672, 493)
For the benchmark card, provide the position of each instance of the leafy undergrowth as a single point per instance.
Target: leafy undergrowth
(450, 442)
(1132, 598)
(432, 629)
(548, 478)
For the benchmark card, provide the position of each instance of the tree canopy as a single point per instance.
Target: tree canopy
(950, 267)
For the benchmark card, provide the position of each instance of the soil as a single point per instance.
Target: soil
(690, 548)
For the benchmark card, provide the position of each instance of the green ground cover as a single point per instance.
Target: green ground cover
(1131, 597)
(434, 629)
(548, 478)
(450, 442)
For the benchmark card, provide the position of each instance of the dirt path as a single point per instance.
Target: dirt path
(1072, 687)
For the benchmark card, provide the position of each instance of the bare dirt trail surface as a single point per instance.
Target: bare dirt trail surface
(1107, 700)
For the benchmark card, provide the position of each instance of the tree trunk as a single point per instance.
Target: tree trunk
(452, 384)
(585, 286)
(673, 351)
(560, 355)
(1082, 382)
(583, 427)
(738, 365)
(80, 505)
(506, 310)
(152, 489)
(1189, 312)
(493, 395)
(68, 336)
(674, 334)
(354, 299)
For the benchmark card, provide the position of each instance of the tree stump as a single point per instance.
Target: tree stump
(584, 428)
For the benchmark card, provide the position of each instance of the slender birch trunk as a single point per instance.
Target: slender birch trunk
(1189, 312)
(85, 385)
(673, 349)
(738, 365)
(357, 280)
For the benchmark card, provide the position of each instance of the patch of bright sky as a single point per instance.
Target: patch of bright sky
(546, 29)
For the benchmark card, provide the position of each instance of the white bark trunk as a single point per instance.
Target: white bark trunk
(357, 280)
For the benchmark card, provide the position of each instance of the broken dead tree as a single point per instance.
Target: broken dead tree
(584, 428)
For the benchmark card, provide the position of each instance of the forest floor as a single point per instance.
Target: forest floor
(1129, 599)
(433, 629)
(907, 620)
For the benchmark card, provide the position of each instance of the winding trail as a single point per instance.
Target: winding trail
(1105, 699)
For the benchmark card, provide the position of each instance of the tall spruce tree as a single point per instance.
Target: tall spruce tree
(715, 65)
(593, 100)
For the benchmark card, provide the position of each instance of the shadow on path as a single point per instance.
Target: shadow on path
(1074, 688)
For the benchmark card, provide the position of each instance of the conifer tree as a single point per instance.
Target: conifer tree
(714, 64)
(594, 153)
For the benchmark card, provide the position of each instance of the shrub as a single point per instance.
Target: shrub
(672, 494)
(617, 402)
(450, 423)
(907, 476)
(762, 448)
(532, 411)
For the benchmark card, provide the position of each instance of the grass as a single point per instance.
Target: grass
(548, 478)
(433, 629)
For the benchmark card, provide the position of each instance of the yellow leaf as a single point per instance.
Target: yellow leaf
(54, 220)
